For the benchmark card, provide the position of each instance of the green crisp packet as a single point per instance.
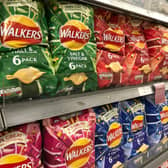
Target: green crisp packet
(26, 73)
(73, 47)
(22, 23)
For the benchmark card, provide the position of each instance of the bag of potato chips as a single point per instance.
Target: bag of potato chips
(109, 31)
(69, 141)
(21, 147)
(137, 60)
(157, 120)
(22, 23)
(109, 137)
(109, 68)
(26, 73)
(152, 34)
(71, 28)
(164, 51)
(132, 114)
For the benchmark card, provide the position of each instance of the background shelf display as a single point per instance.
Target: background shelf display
(124, 6)
(25, 111)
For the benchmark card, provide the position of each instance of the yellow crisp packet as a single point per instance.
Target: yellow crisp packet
(77, 78)
(118, 164)
(115, 67)
(143, 148)
(146, 69)
(26, 75)
(12, 158)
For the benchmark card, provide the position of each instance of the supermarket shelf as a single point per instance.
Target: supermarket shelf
(124, 6)
(27, 111)
(153, 158)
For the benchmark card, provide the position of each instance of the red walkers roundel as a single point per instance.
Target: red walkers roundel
(137, 123)
(15, 161)
(74, 35)
(164, 115)
(113, 39)
(79, 153)
(19, 31)
(114, 135)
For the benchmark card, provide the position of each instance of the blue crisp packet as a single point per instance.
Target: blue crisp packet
(157, 120)
(132, 114)
(108, 138)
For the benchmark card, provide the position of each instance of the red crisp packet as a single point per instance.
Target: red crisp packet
(69, 141)
(109, 35)
(152, 34)
(164, 51)
(159, 56)
(137, 60)
(21, 147)
(109, 68)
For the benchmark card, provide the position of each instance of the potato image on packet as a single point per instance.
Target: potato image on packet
(73, 46)
(21, 147)
(22, 24)
(27, 73)
(72, 140)
(77, 78)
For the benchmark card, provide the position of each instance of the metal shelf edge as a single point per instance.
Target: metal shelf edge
(28, 111)
(158, 160)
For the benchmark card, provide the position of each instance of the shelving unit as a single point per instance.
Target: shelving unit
(28, 111)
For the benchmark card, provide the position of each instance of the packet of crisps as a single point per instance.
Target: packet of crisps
(26, 73)
(157, 120)
(134, 127)
(22, 23)
(109, 32)
(71, 27)
(159, 54)
(21, 147)
(108, 138)
(72, 140)
(152, 34)
(164, 51)
(137, 61)
(109, 68)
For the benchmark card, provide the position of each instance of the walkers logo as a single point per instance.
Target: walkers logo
(79, 153)
(164, 115)
(114, 135)
(137, 123)
(19, 31)
(15, 161)
(113, 39)
(74, 35)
